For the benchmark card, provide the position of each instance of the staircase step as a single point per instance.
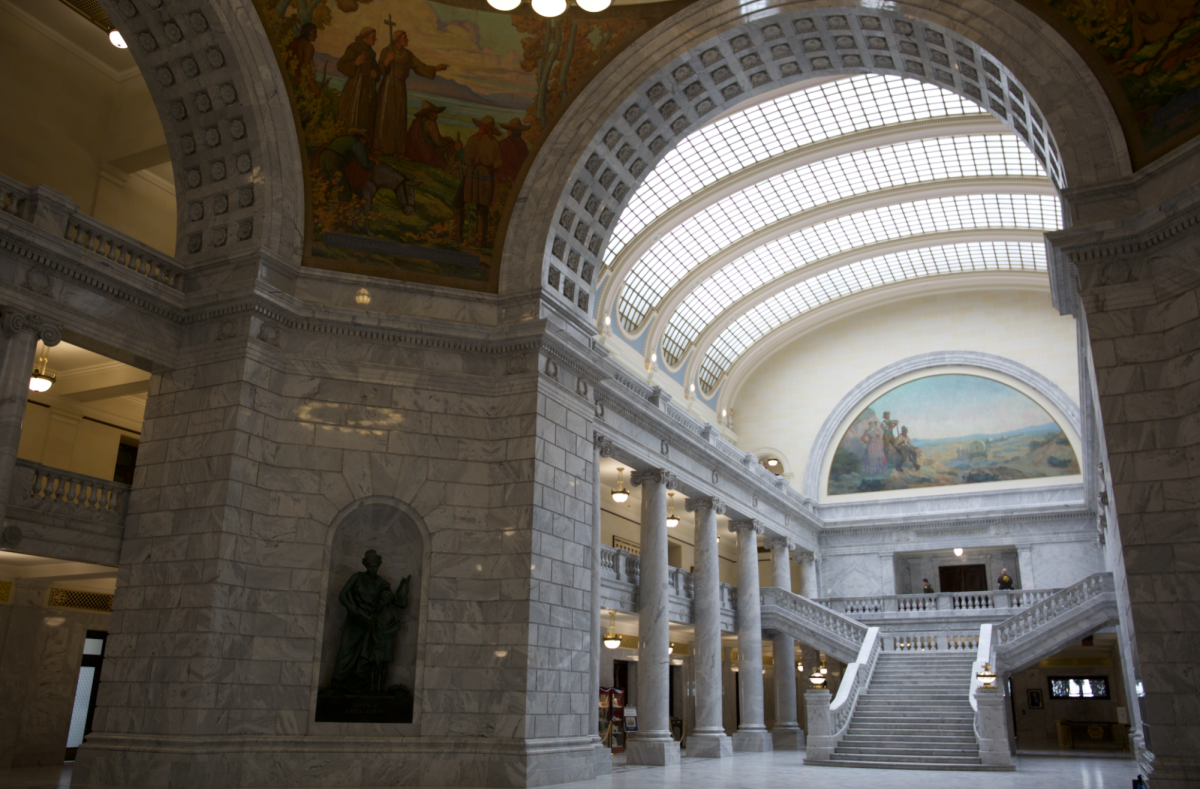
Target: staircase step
(989, 768)
(933, 754)
(910, 759)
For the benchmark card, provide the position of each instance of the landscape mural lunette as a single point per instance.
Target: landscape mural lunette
(417, 118)
(945, 430)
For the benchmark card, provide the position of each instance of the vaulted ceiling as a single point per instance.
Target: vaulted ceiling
(801, 201)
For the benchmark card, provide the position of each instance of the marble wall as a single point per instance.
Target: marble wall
(41, 650)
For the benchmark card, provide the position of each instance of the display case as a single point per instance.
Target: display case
(611, 720)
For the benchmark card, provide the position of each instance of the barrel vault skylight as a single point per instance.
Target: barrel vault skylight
(805, 199)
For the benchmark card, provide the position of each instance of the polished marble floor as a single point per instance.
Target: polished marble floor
(785, 770)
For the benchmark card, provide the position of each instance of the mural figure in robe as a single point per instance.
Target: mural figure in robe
(513, 150)
(391, 119)
(357, 107)
(482, 158)
(303, 51)
(426, 145)
(875, 461)
(374, 614)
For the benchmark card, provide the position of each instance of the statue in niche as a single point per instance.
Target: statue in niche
(358, 690)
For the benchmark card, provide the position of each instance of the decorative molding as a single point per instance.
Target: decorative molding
(746, 525)
(778, 541)
(656, 475)
(705, 503)
(15, 322)
(603, 444)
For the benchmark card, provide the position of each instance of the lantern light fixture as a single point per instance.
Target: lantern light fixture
(818, 680)
(987, 677)
(40, 380)
(117, 40)
(611, 639)
(620, 495)
(672, 518)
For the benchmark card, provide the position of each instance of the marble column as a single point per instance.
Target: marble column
(708, 739)
(787, 735)
(603, 449)
(21, 335)
(808, 574)
(653, 744)
(752, 734)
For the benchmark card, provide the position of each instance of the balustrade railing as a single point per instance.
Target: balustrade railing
(933, 642)
(814, 614)
(14, 197)
(76, 494)
(939, 602)
(855, 680)
(83, 231)
(618, 565)
(1052, 607)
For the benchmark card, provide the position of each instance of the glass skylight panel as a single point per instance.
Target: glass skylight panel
(840, 177)
(780, 256)
(856, 277)
(829, 110)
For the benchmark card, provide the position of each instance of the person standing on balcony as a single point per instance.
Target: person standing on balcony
(928, 588)
(1005, 581)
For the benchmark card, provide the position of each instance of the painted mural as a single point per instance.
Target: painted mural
(418, 117)
(949, 430)
(1152, 49)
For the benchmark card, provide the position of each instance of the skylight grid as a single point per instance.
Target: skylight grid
(840, 177)
(856, 277)
(772, 260)
(768, 129)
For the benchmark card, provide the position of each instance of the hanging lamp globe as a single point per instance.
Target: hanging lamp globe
(620, 495)
(611, 639)
(549, 8)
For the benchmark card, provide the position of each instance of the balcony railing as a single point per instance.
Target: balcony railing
(941, 603)
(621, 570)
(57, 492)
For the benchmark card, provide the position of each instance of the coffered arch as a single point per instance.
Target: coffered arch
(224, 107)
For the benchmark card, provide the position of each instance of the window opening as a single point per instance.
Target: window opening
(1079, 687)
(86, 688)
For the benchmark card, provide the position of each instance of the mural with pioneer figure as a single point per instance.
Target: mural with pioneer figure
(418, 118)
(949, 430)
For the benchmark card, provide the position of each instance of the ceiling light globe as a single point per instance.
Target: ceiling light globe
(549, 8)
(620, 496)
(504, 5)
(612, 643)
(593, 6)
(958, 551)
(117, 40)
(40, 383)
(672, 522)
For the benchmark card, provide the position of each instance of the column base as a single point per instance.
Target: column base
(752, 741)
(787, 738)
(602, 759)
(709, 745)
(655, 753)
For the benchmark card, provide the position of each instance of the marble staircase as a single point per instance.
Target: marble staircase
(914, 715)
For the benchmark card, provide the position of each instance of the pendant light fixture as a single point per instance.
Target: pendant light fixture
(551, 8)
(40, 381)
(620, 495)
(672, 520)
(611, 639)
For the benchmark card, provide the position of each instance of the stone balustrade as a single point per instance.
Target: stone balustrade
(1059, 604)
(619, 586)
(63, 492)
(55, 214)
(993, 606)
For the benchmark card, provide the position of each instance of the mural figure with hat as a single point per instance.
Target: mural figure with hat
(426, 145)
(391, 121)
(513, 150)
(345, 160)
(357, 107)
(482, 158)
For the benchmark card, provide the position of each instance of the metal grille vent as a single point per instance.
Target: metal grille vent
(5, 591)
(75, 598)
(92, 12)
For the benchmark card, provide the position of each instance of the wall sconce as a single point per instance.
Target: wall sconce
(363, 297)
(611, 639)
(672, 520)
(620, 495)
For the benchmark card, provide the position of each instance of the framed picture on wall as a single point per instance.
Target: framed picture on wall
(1035, 698)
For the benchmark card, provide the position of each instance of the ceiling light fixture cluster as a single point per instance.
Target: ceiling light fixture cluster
(551, 8)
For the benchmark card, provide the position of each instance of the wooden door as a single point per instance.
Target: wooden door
(963, 578)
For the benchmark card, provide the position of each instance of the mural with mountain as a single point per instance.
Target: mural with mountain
(418, 119)
(949, 430)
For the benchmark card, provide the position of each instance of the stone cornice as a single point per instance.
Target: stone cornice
(1131, 236)
(959, 522)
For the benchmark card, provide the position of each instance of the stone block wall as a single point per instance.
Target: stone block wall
(246, 463)
(1142, 297)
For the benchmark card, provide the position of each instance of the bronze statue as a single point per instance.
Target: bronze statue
(374, 614)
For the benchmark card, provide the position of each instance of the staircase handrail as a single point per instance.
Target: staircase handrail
(938, 602)
(854, 681)
(1051, 608)
(983, 657)
(845, 634)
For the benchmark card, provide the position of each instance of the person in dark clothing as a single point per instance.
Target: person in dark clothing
(928, 589)
(1005, 581)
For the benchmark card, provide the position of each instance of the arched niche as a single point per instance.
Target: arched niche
(396, 532)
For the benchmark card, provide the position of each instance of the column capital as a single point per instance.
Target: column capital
(14, 322)
(662, 475)
(778, 541)
(800, 555)
(749, 524)
(604, 444)
(705, 503)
